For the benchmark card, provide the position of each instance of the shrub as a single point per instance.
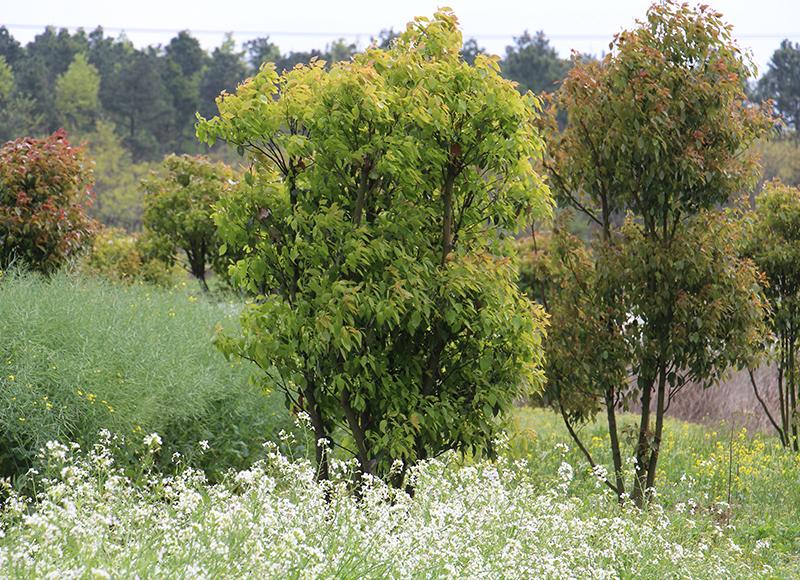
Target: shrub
(45, 190)
(178, 207)
(122, 257)
(376, 227)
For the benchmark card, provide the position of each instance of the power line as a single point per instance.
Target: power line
(298, 33)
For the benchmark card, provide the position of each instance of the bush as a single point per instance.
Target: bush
(381, 248)
(45, 190)
(81, 355)
(178, 208)
(121, 257)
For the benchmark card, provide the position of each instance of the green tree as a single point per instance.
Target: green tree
(45, 188)
(10, 49)
(6, 79)
(77, 95)
(118, 190)
(534, 64)
(45, 59)
(259, 51)
(185, 62)
(375, 231)
(772, 241)
(140, 105)
(185, 51)
(665, 145)
(178, 205)
(17, 112)
(225, 70)
(781, 83)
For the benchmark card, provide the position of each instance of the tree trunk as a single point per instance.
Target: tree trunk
(782, 390)
(660, 401)
(447, 221)
(642, 445)
(793, 393)
(365, 464)
(616, 454)
(320, 432)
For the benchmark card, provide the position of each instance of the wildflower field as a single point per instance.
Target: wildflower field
(535, 512)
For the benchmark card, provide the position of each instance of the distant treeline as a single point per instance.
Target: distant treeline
(133, 106)
(151, 94)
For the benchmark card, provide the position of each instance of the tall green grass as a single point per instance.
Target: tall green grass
(78, 355)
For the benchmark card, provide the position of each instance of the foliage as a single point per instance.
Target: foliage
(664, 144)
(140, 105)
(535, 516)
(471, 50)
(186, 63)
(122, 257)
(226, 69)
(374, 231)
(772, 241)
(780, 159)
(17, 116)
(118, 191)
(38, 67)
(781, 83)
(45, 190)
(584, 346)
(6, 79)
(83, 355)
(178, 207)
(534, 64)
(151, 95)
(76, 97)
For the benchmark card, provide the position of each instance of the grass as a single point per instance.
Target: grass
(78, 355)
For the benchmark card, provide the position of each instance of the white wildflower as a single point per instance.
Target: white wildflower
(152, 441)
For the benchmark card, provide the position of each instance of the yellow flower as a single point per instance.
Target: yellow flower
(11, 378)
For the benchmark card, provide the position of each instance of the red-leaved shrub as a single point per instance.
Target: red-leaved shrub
(45, 190)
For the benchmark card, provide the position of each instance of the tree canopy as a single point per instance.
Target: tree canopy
(374, 232)
(658, 136)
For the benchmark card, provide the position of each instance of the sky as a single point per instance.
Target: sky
(583, 25)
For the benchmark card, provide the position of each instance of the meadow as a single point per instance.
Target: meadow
(197, 474)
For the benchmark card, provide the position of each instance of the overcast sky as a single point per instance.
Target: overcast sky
(584, 25)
